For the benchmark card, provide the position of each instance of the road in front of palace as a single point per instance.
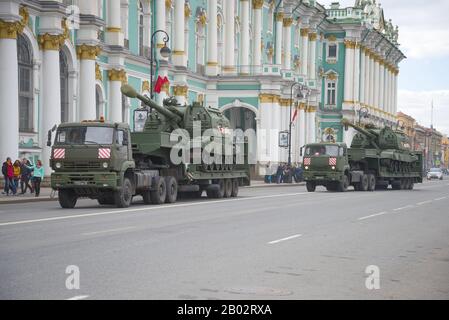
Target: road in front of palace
(270, 243)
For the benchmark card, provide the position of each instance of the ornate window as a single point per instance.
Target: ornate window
(331, 92)
(25, 64)
(332, 52)
(64, 82)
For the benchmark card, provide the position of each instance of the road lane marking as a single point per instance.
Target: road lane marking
(373, 215)
(285, 239)
(424, 202)
(107, 231)
(148, 209)
(438, 199)
(78, 297)
(402, 208)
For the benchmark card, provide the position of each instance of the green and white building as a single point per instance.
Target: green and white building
(66, 60)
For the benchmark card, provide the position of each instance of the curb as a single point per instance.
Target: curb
(37, 199)
(275, 185)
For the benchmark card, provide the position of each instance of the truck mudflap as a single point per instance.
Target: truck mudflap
(77, 180)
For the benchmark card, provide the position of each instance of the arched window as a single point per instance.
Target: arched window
(25, 64)
(64, 81)
(141, 29)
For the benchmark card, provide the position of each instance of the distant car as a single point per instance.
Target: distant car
(435, 173)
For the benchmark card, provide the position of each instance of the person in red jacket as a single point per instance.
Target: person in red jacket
(8, 172)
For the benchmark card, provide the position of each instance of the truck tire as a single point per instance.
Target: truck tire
(343, 184)
(67, 198)
(235, 188)
(172, 189)
(331, 186)
(412, 184)
(124, 196)
(221, 191)
(228, 188)
(371, 182)
(146, 195)
(310, 186)
(396, 185)
(159, 192)
(105, 200)
(363, 184)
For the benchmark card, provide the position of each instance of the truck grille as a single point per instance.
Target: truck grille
(80, 165)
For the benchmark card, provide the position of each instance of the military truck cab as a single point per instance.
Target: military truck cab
(326, 164)
(93, 159)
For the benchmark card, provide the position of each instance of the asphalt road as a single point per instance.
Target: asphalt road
(270, 243)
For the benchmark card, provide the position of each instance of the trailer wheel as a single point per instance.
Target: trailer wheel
(159, 192)
(235, 188)
(146, 195)
(363, 184)
(371, 182)
(67, 198)
(221, 190)
(412, 184)
(228, 188)
(123, 197)
(172, 189)
(310, 186)
(396, 185)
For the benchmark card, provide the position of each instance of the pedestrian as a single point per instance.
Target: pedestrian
(25, 177)
(8, 171)
(38, 175)
(4, 173)
(280, 174)
(16, 168)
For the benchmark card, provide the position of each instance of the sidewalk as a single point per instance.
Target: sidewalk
(46, 193)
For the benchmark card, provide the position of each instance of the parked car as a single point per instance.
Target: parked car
(435, 173)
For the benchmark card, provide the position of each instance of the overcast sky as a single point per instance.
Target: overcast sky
(424, 75)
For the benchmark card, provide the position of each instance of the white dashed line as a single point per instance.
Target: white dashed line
(78, 297)
(438, 199)
(424, 202)
(285, 239)
(402, 208)
(373, 215)
(107, 231)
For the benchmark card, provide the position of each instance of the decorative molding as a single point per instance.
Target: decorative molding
(258, 4)
(187, 10)
(180, 91)
(114, 29)
(269, 98)
(86, 52)
(117, 75)
(98, 74)
(350, 44)
(287, 22)
(312, 36)
(168, 4)
(279, 16)
(331, 37)
(304, 32)
(9, 30)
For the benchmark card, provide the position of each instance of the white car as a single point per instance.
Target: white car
(435, 173)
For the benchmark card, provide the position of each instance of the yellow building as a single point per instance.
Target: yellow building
(407, 124)
(445, 151)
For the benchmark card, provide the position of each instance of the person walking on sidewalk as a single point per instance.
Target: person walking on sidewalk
(25, 176)
(16, 168)
(8, 172)
(4, 173)
(38, 175)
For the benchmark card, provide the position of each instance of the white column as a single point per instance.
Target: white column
(115, 97)
(356, 85)
(381, 85)
(311, 137)
(212, 57)
(287, 38)
(362, 75)
(160, 25)
(395, 92)
(391, 97)
(179, 57)
(229, 58)
(386, 89)
(312, 56)
(114, 34)
(257, 34)
(302, 125)
(87, 105)
(376, 82)
(279, 23)
(367, 77)
(9, 99)
(349, 74)
(51, 98)
(304, 50)
(244, 37)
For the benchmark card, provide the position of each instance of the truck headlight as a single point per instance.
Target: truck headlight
(105, 165)
(58, 165)
(333, 167)
(306, 167)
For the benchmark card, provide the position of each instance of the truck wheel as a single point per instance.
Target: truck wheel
(371, 182)
(67, 198)
(221, 190)
(228, 188)
(396, 185)
(146, 195)
(363, 184)
(105, 200)
(235, 188)
(172, 189)
(343, 184)
(124, 196)
(331, 186)
(310, 186)
(411, 185)
(159, 192)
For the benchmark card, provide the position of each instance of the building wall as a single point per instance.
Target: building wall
(104, 51)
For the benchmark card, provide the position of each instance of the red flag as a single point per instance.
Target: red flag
(294, 115)
(158, 85)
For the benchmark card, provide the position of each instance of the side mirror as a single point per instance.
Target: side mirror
(49, 138)
(300, 151)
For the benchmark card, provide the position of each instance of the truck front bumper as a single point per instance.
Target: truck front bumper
(320, 176)
(84, 180)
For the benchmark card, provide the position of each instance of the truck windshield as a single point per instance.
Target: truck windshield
(322, 151)
(85, 135)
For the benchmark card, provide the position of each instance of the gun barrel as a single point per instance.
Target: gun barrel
(368, 134)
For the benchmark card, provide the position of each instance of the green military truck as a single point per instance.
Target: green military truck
(108, 162)
(376, 159)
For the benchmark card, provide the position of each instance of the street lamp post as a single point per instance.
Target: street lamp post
(303, 91)
(165, 53)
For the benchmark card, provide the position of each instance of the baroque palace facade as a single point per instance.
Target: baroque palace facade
(66, 60)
